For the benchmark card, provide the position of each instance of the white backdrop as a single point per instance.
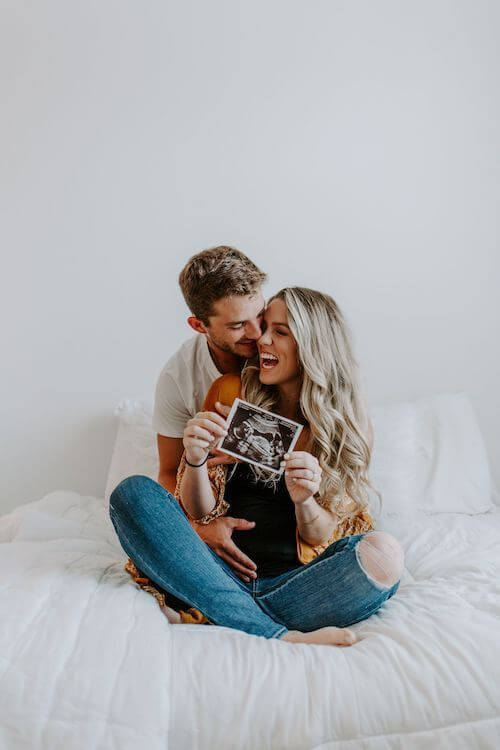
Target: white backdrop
(348, 146)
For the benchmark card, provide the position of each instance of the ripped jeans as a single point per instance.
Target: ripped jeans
(332, 589)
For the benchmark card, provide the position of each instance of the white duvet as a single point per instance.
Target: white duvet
(89, 661)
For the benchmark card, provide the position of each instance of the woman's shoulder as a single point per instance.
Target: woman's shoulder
(225, 389)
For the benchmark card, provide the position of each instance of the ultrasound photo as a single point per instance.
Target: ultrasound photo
(258, 436)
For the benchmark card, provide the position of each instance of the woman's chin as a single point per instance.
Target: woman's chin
(271, 377)
(268, 377)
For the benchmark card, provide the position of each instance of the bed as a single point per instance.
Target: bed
(88, 660)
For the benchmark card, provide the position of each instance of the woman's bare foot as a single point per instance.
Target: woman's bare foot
(329, 636)
(172, 616)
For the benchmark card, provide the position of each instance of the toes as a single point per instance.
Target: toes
(350, 636)
(342, 636)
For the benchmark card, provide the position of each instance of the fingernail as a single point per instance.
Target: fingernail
(287, 455)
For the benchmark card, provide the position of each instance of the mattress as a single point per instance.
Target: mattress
(88, 660)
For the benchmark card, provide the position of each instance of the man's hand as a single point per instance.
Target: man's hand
(221, 458)
(217, 534)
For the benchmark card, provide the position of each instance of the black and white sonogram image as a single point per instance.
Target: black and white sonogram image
(258, 436)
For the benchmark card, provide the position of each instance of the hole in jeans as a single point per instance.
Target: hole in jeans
(381, 558)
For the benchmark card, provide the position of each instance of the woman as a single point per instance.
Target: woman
(320, 565)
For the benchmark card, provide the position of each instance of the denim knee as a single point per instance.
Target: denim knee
(381, 557)
(136, 491)
(128, 488)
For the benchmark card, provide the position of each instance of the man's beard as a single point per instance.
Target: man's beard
(228, 349)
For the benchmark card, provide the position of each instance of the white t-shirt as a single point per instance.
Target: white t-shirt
(182, 386)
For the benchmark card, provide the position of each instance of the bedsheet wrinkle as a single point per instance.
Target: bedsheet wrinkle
(88, 661)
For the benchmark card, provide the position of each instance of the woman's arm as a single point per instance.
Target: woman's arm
(315, 524)
(303, 475)
(195, 490)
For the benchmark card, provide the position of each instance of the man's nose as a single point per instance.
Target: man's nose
(253, 330)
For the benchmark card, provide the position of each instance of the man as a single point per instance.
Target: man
(222, 289)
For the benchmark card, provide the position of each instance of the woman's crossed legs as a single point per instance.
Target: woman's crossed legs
(347, 583)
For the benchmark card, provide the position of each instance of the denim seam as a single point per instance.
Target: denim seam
(375, 584)
(280, 586)
(179, 596)
(294, 578)
(233, 576)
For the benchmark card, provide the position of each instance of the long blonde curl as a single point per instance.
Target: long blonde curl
(330, 400)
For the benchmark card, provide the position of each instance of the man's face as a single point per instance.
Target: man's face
(235, 324)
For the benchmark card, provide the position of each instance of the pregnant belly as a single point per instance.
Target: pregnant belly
(270, 545)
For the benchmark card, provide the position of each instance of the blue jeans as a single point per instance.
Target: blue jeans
(155, 533)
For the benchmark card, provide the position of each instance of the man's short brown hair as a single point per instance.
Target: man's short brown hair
(215, 273)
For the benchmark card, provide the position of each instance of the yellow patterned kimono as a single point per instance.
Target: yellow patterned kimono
(225, 389)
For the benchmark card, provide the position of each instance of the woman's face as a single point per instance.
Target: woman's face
(277, 347)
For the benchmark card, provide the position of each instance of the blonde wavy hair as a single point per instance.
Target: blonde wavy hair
(330, 400)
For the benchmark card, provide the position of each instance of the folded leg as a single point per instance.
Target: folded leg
(347, 583)
(157, 536)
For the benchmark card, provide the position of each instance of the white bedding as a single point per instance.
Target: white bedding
(89, 661)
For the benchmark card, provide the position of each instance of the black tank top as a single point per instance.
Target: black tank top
(271, 544)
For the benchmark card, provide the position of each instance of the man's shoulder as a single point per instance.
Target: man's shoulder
(225, 389)
(229, 381)
(190, 350)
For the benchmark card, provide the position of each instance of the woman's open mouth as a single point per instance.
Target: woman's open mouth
(268, 361)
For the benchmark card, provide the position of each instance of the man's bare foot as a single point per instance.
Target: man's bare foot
(329, 636)
(172, 616)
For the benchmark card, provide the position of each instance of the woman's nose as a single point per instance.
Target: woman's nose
(265, 339)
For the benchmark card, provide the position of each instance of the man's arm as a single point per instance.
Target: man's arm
(170, 453)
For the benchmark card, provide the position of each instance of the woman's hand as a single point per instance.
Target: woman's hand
(222, 458)
(302, 475)
(201, 433)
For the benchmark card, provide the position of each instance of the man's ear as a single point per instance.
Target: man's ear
(196, 324)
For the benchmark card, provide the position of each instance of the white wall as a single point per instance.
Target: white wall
(348, 146)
